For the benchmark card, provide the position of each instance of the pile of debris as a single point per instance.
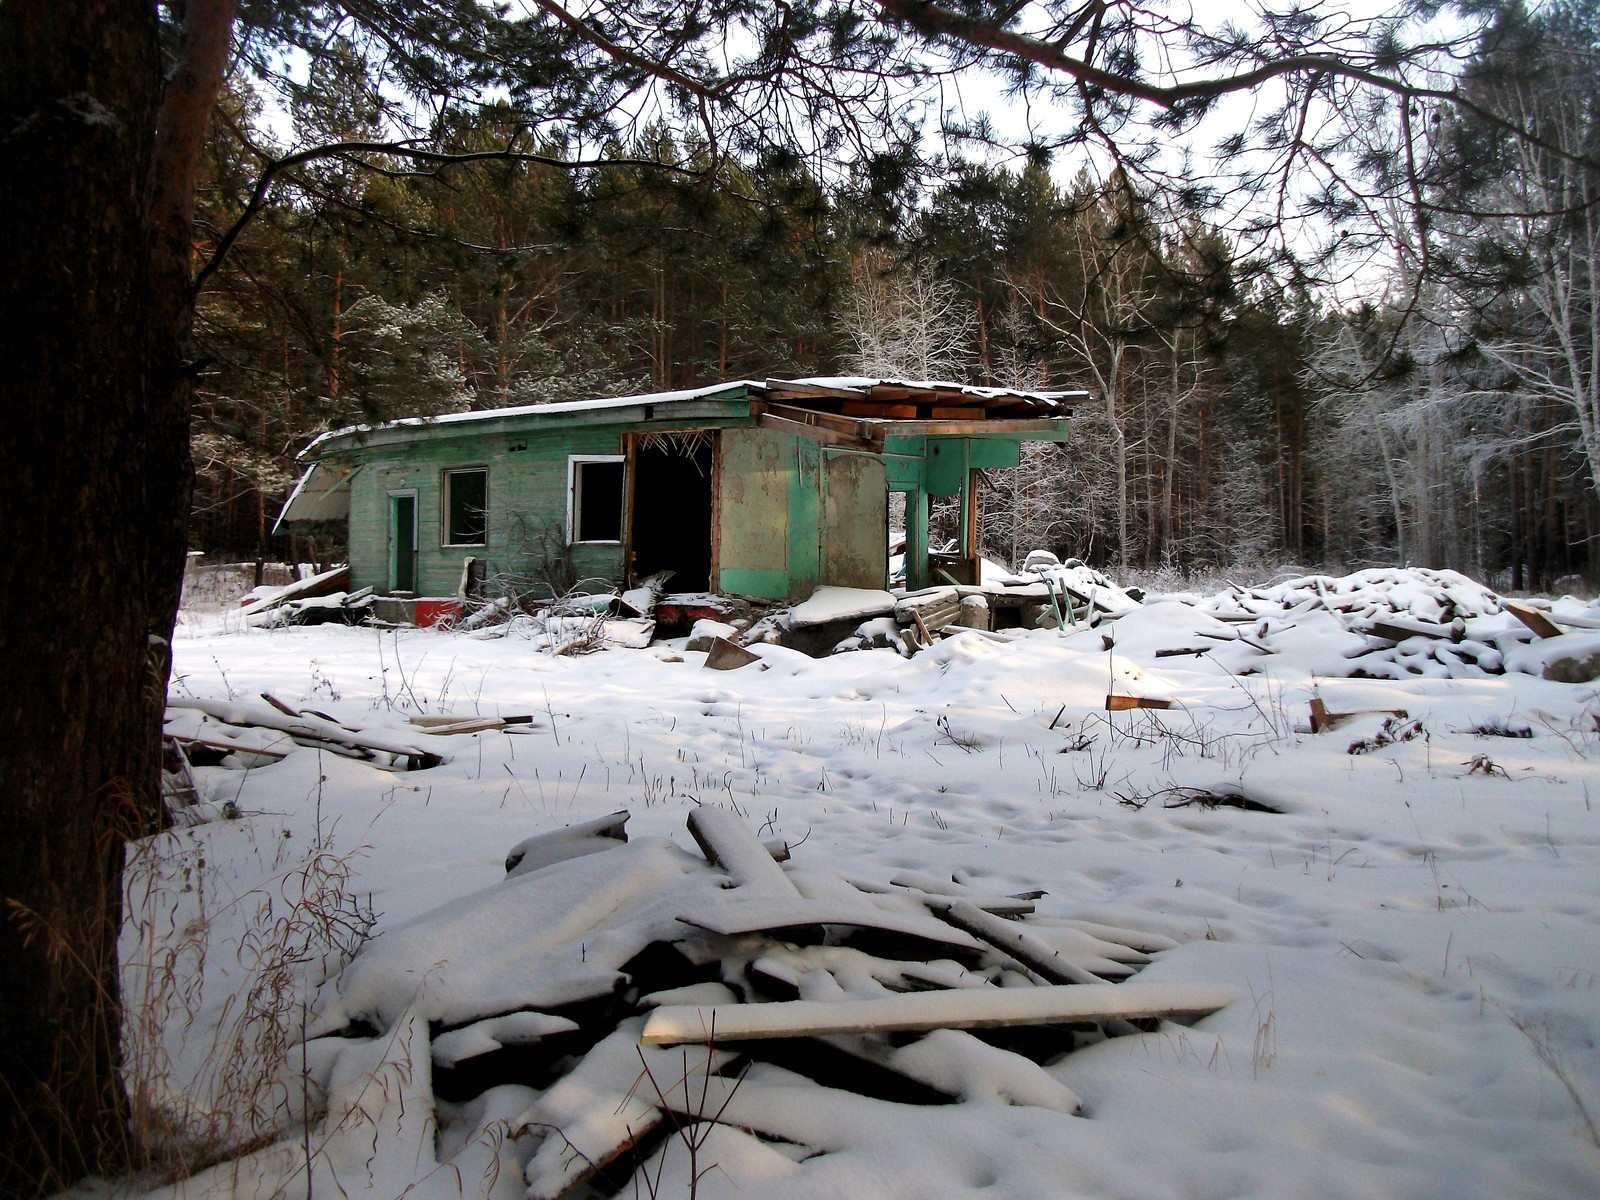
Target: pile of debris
(1410, 621)
(772, 987)
(245, 734)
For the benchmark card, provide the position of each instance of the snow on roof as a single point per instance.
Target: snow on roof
(523, 410)
(743, 387)
(865, 383)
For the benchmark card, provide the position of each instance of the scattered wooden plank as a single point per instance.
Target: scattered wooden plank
(1116, 703)
(570, 841)
(1184, 651)
(444, 726)
(465, 725)
(727, 842)
(310, 729)
(324, 584)
(967, 1008)
(1322, 720)
(427, 723)
(1233, 637)
(1534, 619)
(727, 656)
(231, 747)
(933, 885)
(1396, 630)
(780, 914)
(1042, 960)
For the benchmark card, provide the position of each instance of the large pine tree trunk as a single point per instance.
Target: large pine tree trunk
(94, 313)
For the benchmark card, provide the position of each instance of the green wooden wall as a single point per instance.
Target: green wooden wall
(780, 532)
(527, 508)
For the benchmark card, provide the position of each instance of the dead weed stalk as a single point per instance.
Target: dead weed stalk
(209, 1079)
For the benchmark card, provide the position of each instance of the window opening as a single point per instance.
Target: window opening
(466, 507)
(595, 505)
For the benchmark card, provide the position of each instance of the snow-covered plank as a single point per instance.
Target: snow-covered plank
(957, 1064)
(1141, 941)
(309, 727)
(840, 604)
(726, 841)
(324, 584)
(763, 915)
(485, 1037)
(1005, 935)
(968, 1008)
(574, 841)
(608, 1104)
(629, 633)
(542, 941)
(921, 881)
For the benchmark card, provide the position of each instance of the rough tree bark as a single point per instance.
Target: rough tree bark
(99, 149)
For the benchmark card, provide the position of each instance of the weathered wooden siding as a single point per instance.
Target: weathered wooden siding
(856, 521)
(527, 508)
(757, 467)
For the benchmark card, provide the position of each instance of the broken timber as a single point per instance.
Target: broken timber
(1048, 964)
(1116, 703)
(728, 843)
(1534, 619)
(324, 584)
(309, 729)
(1323, 720)
(964, 1008)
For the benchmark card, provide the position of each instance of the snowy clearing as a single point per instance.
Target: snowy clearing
(1412, 933)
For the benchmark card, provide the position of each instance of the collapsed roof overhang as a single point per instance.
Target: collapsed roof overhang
(323, 494)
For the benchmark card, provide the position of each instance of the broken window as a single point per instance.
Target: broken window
(595, 498)
(466, 507)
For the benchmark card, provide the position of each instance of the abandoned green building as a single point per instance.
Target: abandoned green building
(764, 489)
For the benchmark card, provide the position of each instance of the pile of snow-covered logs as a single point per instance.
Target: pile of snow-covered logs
(1415, 621)
(637, 989)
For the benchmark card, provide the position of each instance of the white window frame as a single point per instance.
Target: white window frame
(575, 463)
(444, 505)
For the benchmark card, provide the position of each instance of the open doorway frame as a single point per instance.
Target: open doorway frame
(673, 507)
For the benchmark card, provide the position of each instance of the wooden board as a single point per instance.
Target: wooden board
(1322, 720)
(1010, 937)
(868, 408)
(965, 1008)
(324, 584)
(763, 915)
(1116, 703)
(1534, 619)
(728, 843)
(728, 656)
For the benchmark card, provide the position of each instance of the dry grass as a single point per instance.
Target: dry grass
(206, 1078)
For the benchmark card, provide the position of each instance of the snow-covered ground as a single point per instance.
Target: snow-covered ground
(1413, 937)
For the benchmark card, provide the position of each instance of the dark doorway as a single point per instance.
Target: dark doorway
(402, 541)
(672, 508)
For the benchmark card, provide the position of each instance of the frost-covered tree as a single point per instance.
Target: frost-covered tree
(902, 321)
